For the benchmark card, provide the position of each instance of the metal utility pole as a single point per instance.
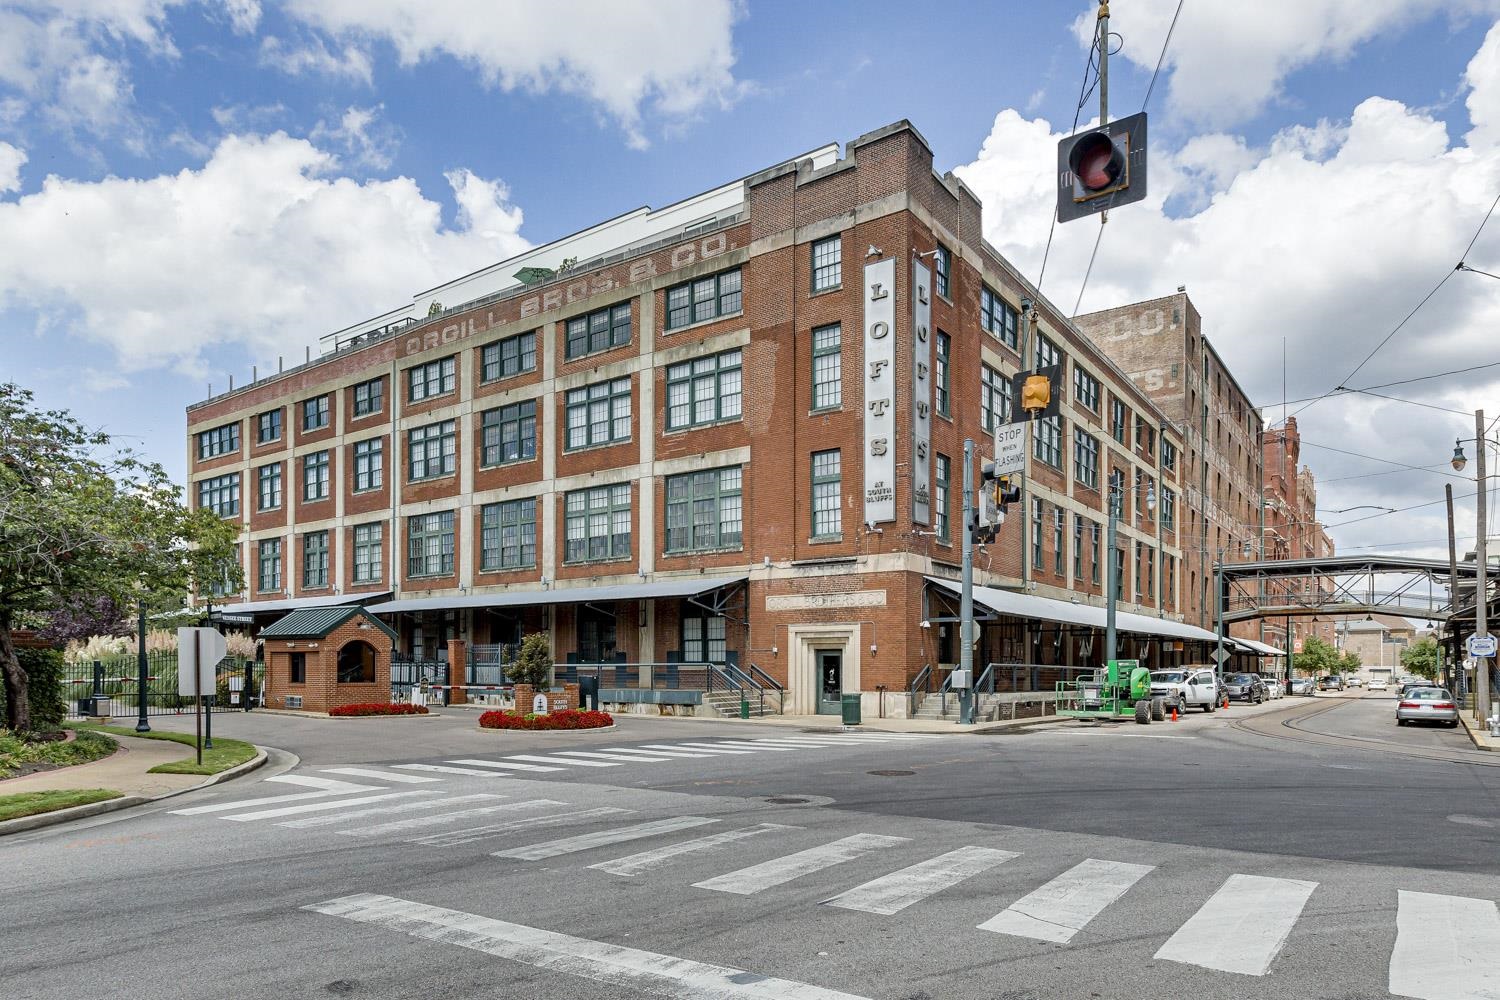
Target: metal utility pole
(1481, 584)
(1103, 62)
(1455, 668)
(142, 680)
(1219, 619)
(966, 598)
(1111, 577)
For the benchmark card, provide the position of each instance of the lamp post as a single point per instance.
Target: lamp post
(142, 681)
(1112, 580)
(1481, 559)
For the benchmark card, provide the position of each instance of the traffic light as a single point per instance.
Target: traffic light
(1101, 169)
(1035, 393)
(996, 493)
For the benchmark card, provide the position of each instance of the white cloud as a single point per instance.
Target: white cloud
(11, 161)
(669, 57)
(314, 56)
(1228, 61)
(262, 247)
(369, 141)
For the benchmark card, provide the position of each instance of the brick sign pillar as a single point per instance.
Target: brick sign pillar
(458, 671)
(523, 695)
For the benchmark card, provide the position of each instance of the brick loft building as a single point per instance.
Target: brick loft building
(729, 430)
(1292, 531)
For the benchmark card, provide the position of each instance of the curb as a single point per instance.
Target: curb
(288, 713)
(1481, 739)
(550, 732)
(974, 729)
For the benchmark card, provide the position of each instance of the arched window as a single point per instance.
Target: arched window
(357, 663)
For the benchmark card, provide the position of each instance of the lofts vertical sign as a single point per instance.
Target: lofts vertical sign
(880, 392)
(921, 394)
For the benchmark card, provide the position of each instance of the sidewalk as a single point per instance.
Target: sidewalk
(1479, 734)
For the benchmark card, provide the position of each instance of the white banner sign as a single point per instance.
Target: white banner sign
(205, 651)
(921, 394)
(1010, 449)
(880, 392)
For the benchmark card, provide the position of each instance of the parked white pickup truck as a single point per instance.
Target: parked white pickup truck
(1186, 687)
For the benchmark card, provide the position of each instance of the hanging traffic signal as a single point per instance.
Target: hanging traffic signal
(1101, 169)
(1035, 393)
(996, 494)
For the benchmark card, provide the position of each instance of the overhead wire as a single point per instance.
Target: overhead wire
(1084, 90)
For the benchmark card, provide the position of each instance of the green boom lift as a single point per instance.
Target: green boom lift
(1117, 691)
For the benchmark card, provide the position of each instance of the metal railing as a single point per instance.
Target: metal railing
(115, 681)
(706, 677)
(920, 687)
(767, 682)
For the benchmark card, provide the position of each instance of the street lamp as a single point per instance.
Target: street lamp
(1112, 579)
(1481, 556)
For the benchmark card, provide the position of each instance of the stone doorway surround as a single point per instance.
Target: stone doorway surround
(803, 642)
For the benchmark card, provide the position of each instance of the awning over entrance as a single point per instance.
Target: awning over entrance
(1010, 602)
(296, 603)
(685, 587)
(1256, 646)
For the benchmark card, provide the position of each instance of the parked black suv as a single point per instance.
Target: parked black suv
(1245, 687)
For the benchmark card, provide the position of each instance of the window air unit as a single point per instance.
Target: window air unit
(294, 701)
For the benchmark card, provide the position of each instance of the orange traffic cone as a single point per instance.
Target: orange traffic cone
(1174, 713)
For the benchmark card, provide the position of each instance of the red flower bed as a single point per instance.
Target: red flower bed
(572, 719)
(375, 708)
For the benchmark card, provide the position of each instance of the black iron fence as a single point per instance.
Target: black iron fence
(111, 686)
(430, 675)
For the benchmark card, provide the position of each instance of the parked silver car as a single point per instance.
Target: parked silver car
(1427, 704)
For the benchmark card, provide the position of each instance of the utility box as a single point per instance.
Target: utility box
(850, 705)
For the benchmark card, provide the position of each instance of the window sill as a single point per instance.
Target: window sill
(825, 539)
(429, 576)
(320, 587)
(506, 378)
(314, 499)
(597, 562)
(672, 331)
(823, 411)
(262, 444)
(368, 489)
(428, 399)
(487, 466)
(268, 510)
(825, 291)
(364, 583)
(595, 447)
(432, 479)
(703, 426)
(570, 358)
(676, 553)
(507, 569)
(314, 430)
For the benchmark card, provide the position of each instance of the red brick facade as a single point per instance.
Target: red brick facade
(320, 688)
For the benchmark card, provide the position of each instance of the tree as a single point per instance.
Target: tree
(1422, 658)
(1349, 662)
(84, 521)
(1317, 657)
(534, 661)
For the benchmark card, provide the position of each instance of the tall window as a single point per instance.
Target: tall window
(1168, 510)
(315, 413)
(1143, 484)
(1047, 353)
(704, 390)
(1059, 546)
(507, 535)
(598, 414)
(1085, 459)
(369, 552)
(704, 299)
(432, 450)
(1168, 455)
(1047, 443)
(315, 559)
(703, 510)
(997, 317)
(703, 639)
(219, 441)
(315, 476)
(599, 330)
(269, 556)
(508, 434)
(1085, 388)
(940, 372)
(514, 355)
(220, 494)
(1169, 577)
(1078, 547)
(942, 265)
(222, 587)
(369, 397)
(369, 464)
(941, 471)
(1037, 543)
(429, 544)
(1150, 555)
(827, 494)
(1118, 420)
(1117, 492)
(597, 523)
(269, 478)
(1145, 436)
(1094, 554)
(994, 398)
(827, 367)
(435, 378)
(826, 268)
(268, 427)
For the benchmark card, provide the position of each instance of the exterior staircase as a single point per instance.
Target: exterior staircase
(931, 708)
(727, 703)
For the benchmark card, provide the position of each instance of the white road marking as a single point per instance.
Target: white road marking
(704, 747)
(469, 834)
(898, 890)
(503, 765)
(634, 864)
(569, 762)
(1445, 947)
(630, 968)
(602, 838)
(797, 744)
(416, 822)
(310, 821)
(699, 754)
(320, 806)
(747, 745)
(627, 758)
(1065, 905)
(326, 784)
(362, 772)
(748, 881)
(251, 803)
(1106, 732)
(1242, 926)
(447, 769)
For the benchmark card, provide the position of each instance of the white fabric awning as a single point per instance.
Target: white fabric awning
(1010, 602)
(685, 587)
(1264, 649)
(296, 603)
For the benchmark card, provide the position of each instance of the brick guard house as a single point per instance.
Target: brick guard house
(728, 431)
(322, 658)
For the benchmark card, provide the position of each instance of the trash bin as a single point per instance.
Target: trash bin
(851, 709)
(588, 692)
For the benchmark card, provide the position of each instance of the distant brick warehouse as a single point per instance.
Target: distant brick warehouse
(729, 431)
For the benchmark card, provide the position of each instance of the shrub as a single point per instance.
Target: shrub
(44, 670)
(571, 719)
(534, 662)
(378, 708)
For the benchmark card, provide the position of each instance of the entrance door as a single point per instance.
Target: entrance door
(830, 681)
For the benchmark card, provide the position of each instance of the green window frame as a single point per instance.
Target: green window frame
(597, 524)
(369, 464)
(432, 451)
(703, 299)
(942, 267)
(1047, 353)
(1059, 541)
(315, 560)
(369, 397)
(597, 414)
(1085, 389)
(220, 494)
(1168, 510)
(315, 413)
(268, 557)
(999, 317)
(1085, 459)
(942, 473)
(994, 398)
(508, 434)
(1077, 547)
(827, 494)
(369, 552)
(704, 638)
(315, 476)
(1037, 543)
(599, 330)
(944, 349)
(1046, 444)
(505, 358)
(432, 379)
(429, 544)
(1119, 419)
(219, 441)
(268, 479)
(1094, 533)
(827, 367)
(507, 535)
(704, 511)
(705, 390)
(827, 264)
(268, 426)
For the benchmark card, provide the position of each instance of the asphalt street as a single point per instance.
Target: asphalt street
(1296, 849)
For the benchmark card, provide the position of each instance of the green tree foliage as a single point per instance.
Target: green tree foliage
(1422, 658)
(83, 519)
(44, 670)
(1317, 657)
(1349, 662)
(534, 661)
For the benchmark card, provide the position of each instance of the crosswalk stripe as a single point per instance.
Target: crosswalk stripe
(627, 758)
(747, 745)
(703, 747)
(804, 744)
(602, 838)
(1445, 947)
(446, 769)
(557, 760)
(468, 834)
(323, 806)
(693, 754)
(361, 772)
(634, 864)
(748, 881)
(898, 890)
(501, 765)
(1242, 926)
(440, 819)
(642, 972)
(251, 803)
(399, 807)
(326, 784)
(1065, 905)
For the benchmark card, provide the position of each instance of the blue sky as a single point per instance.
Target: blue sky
(191, 188)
